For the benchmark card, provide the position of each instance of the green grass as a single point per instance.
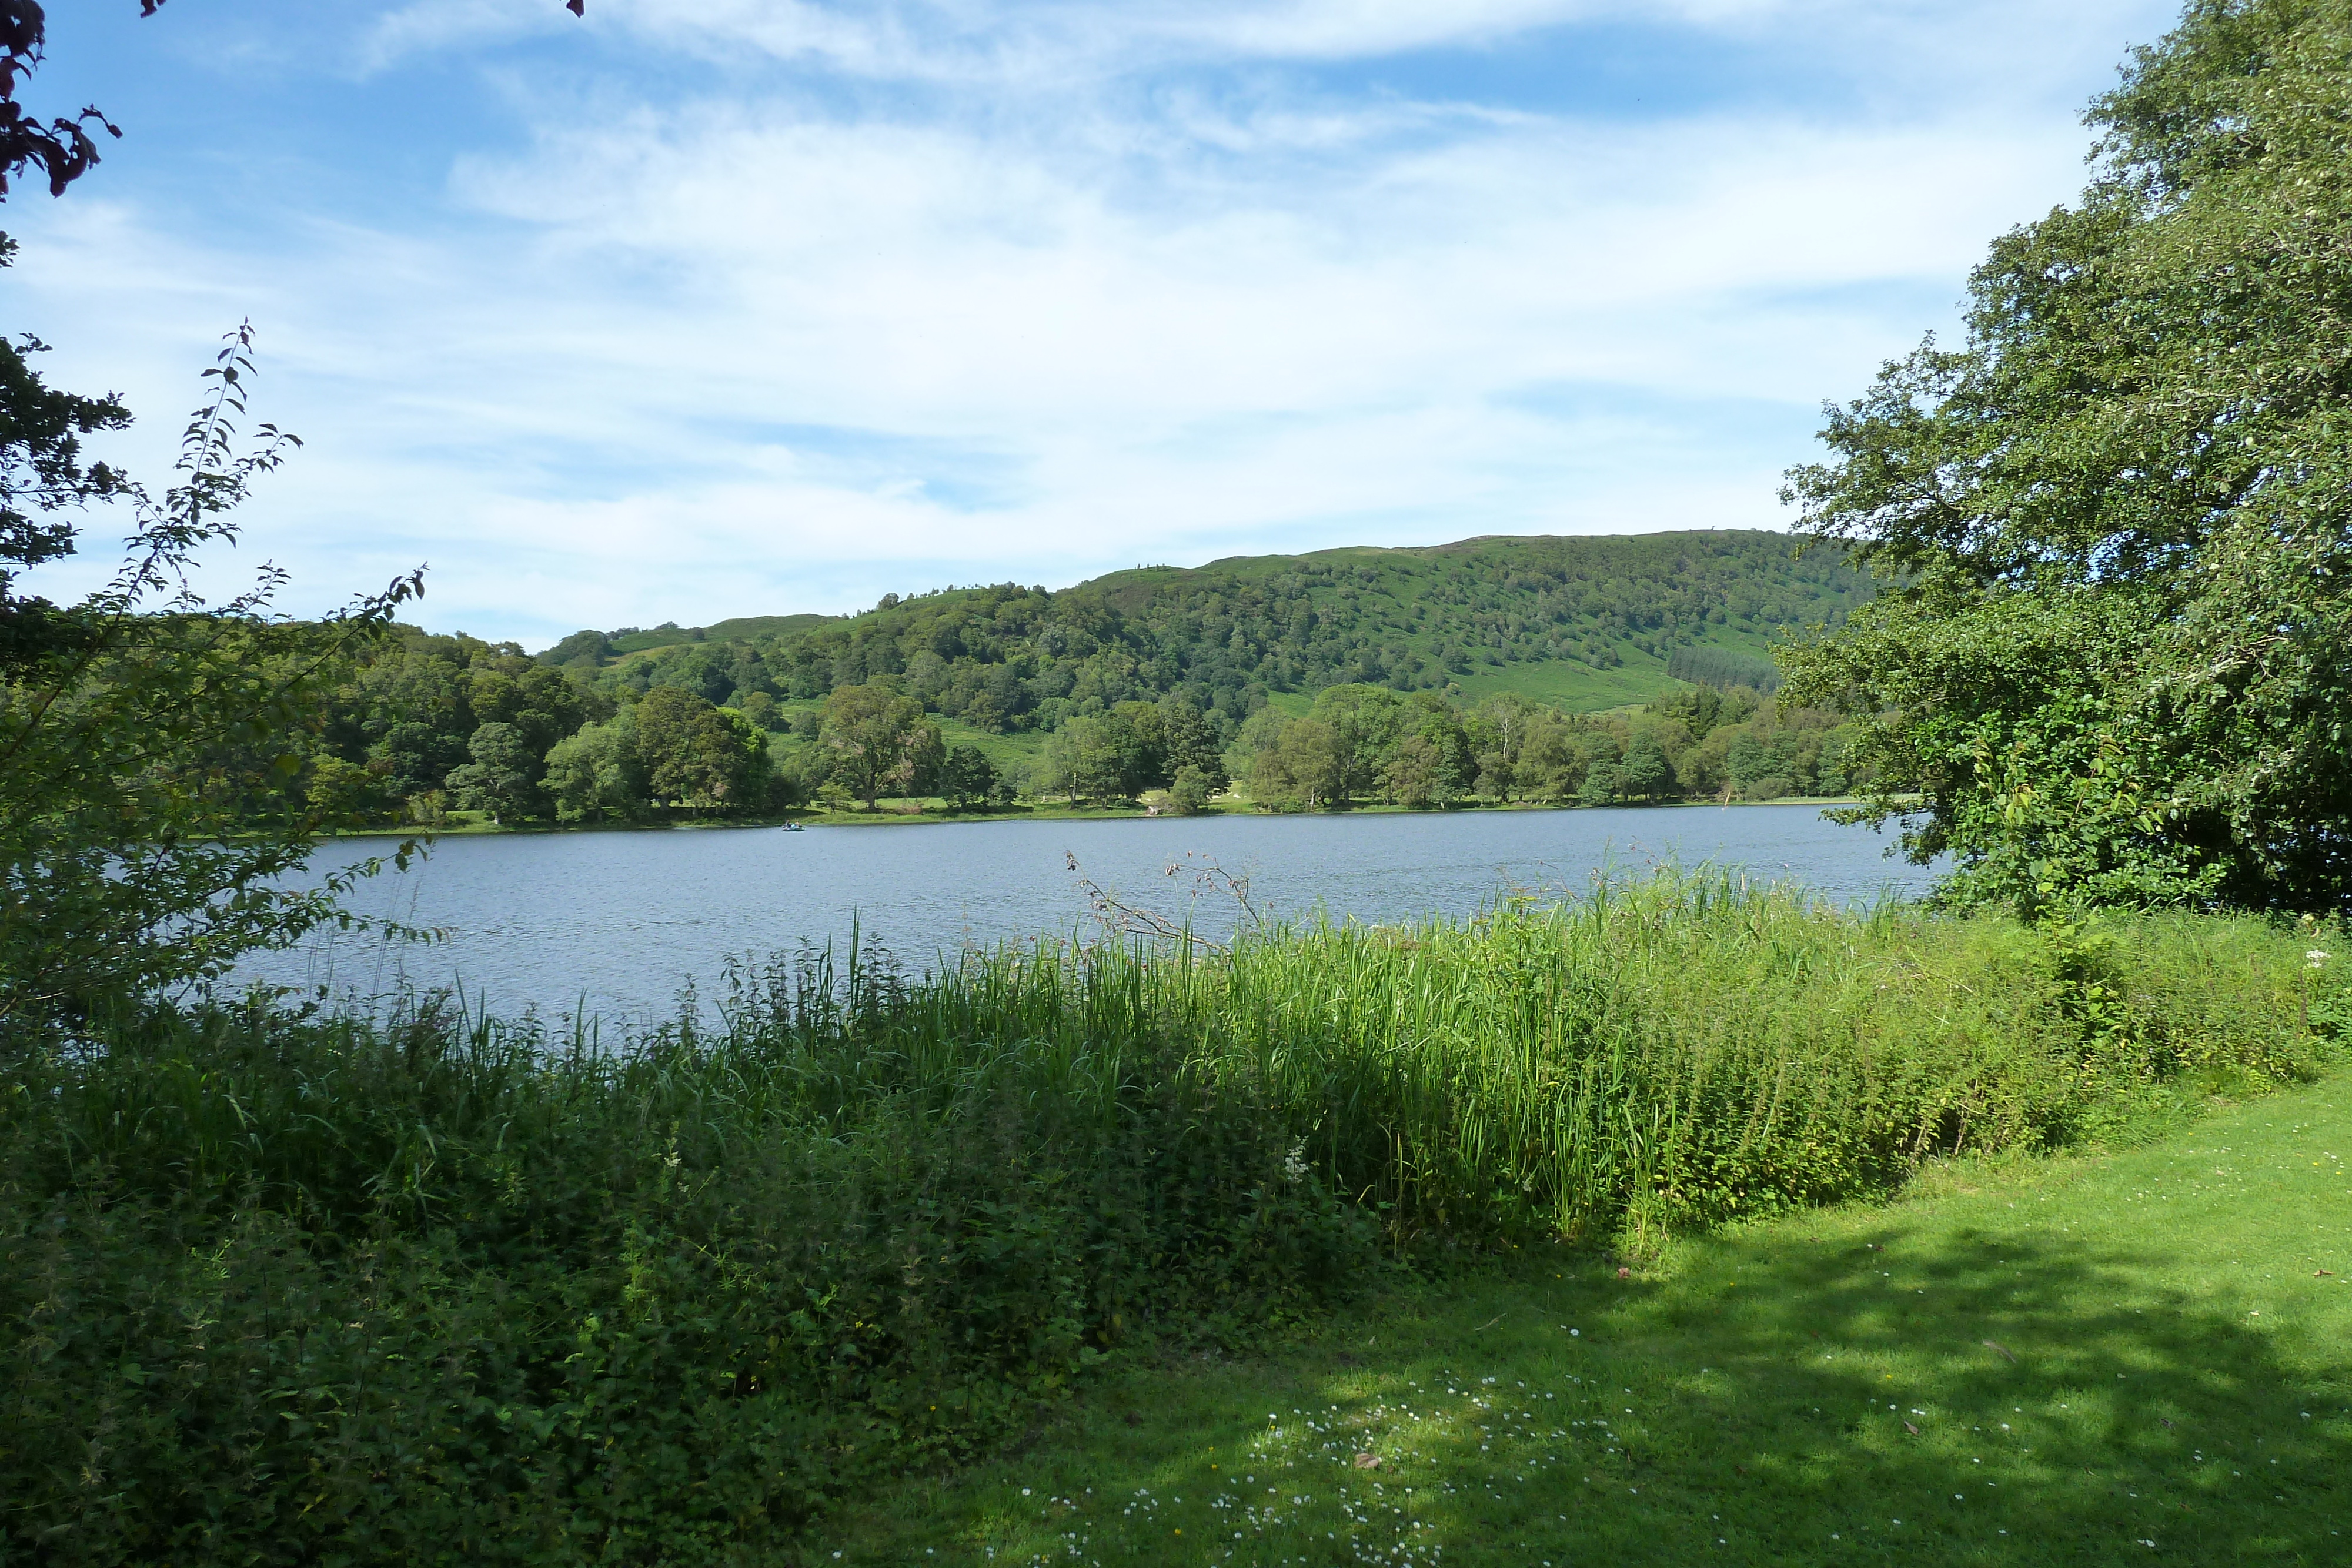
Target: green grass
(1014, 751)
(1576, 687)
(1816, 1389)
(281, 1289)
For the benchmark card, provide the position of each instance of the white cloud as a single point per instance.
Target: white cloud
(429, 26)
(1327, 29)
(751, 348)
(2011, 46)
(894, 277)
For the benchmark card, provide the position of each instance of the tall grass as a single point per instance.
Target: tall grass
(440, 1287)
(1676, 1049)
(1696, 1047)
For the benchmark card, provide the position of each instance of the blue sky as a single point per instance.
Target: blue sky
(699, 309)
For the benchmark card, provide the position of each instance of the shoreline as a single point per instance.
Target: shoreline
(886, 818)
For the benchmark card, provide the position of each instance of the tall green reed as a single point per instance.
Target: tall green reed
(1672, 1049)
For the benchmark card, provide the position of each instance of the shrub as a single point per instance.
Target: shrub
(282, 1290)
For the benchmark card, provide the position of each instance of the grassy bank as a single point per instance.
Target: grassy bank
(443, 1290)
(2169, 1385)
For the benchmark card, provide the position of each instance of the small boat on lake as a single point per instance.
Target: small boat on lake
(795, 828)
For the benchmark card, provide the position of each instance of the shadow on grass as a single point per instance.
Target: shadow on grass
(1805, 1393)
(1912, 1376)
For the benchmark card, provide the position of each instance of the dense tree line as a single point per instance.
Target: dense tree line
(1134, 747)
(419, 725)
(1362, 744)
(1145, 681)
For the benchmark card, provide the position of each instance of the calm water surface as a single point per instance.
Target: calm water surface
(619, 922)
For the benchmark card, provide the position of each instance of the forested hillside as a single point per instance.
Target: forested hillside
(1584, 623)
(1421, 676)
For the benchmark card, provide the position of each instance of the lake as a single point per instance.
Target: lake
(617, 923)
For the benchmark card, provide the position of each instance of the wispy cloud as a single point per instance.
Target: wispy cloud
(735, 330)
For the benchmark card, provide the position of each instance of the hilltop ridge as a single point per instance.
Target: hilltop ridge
(1582, 622)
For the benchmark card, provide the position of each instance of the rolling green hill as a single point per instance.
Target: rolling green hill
(1584, 623)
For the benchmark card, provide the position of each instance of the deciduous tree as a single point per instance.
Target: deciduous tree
(598, 774)
(151, 745)
(878, 740)
(503, 777)
(2116, 664)
(967, 778)
(699, 756)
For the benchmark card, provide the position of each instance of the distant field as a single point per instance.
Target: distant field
(1294, 705)
(1579, 689)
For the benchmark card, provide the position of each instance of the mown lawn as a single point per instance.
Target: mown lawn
(2136, 1356)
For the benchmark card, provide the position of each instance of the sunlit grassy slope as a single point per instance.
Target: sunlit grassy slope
(1576, 687)
(2143, 1356)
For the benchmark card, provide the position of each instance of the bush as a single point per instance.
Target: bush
(282, 1290)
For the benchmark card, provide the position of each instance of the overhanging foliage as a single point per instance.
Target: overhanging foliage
(2118, 665)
